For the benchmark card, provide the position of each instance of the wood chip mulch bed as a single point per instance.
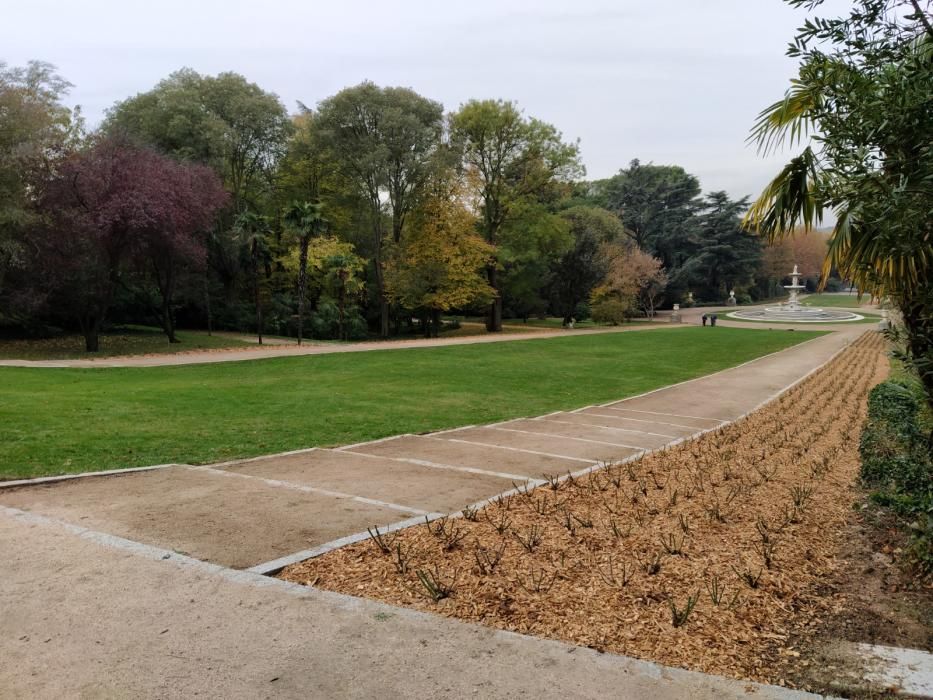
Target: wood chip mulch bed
(712, 555)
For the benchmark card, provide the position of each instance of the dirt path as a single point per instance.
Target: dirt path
(284, 348)
(293, 349)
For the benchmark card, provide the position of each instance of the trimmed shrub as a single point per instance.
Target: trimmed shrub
(610, 311)
(582, 311)
(897, 465)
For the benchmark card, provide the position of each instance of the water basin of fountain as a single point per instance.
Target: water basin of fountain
(791, 311)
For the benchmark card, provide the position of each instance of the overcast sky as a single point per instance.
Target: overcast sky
(676, 82)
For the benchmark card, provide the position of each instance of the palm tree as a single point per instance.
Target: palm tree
(253, 231)
(862, 113)
(341, 270)
(307, 220)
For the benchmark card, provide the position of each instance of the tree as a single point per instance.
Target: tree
(178, 245)
(656, 203)
(114, 201)
(384, 141)
(307, 220)
(439, 262)
(577, 273)
(513, 164)
(807, 251)
(634, 279)
(37, 132)
(223, 121)
(725, 256)
(861, 104)
(341, 278)
(254, 232)
(650, 279)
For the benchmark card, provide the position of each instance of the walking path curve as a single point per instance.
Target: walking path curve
(286, 348)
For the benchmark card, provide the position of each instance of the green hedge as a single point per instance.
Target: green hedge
(896, 462)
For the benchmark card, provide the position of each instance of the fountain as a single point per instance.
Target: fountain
(792, 311)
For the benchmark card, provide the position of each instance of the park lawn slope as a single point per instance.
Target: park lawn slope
(55, 421)
(839, 301)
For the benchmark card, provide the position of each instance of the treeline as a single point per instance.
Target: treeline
(204, 203)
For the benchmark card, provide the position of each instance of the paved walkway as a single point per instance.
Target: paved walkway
(88, 618)
(134, 585)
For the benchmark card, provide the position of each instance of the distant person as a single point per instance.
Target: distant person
(712, 319)
(704, 319)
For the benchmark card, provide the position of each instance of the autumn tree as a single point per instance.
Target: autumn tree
(178, 247)
(634, 280)
(440, 260)
(111, 202)
(806, 250)
(512, 163)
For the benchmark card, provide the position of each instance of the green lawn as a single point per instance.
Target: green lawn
(839, 301)
(133, 340)
(56, 421)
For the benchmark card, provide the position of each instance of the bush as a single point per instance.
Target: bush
(610, 311)
(834, 284)
(896, 462)
(582, 311)
(743, 298)
(325, 322)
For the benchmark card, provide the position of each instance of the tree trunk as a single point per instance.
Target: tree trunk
(302, 282)
(168, 322)
(378, 235)
(258, 302)
(92, 341)
(916, 309)
(436, 322)
(90, 329)
(207, 302)
(383, 317)
(164, 269)
(494, 315)
(340, 318)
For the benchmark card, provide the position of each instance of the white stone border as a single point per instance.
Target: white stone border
(735, 314)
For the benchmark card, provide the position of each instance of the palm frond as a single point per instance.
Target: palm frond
(791, 199)
(788, 120)
(867, 256)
